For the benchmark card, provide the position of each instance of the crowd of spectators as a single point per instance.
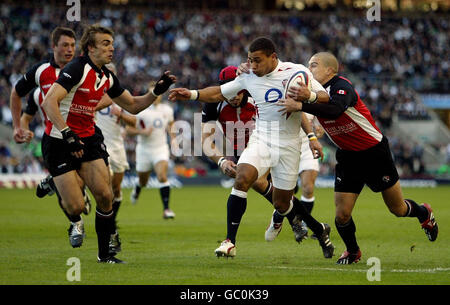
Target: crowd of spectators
(388, 61)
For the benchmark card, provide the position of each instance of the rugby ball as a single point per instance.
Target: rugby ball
(298, 77)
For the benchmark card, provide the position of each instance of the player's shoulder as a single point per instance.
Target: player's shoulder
(342, 82)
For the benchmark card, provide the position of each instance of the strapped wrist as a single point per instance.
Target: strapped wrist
(313, 97)
(194, 95)
(220, 162)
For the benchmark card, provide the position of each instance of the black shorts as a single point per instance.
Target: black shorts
(58, 159)
(374, 167)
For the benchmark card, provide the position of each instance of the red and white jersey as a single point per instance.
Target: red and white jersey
(237, 122)
(355, 129)
(41, 75)
(266, 91)
(85, 84)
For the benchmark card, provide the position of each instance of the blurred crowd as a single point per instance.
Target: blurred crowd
(388, 61)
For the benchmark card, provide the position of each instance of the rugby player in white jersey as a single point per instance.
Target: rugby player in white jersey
(109, 118)
(274, 144)
(152, 150)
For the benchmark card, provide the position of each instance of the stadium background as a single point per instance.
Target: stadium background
(399, 65)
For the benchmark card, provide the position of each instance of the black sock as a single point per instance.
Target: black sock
(347, 232)
(268, 193)
(235, 209)
(104, 226)
(165, 193)
(115, 207)
(415, 210)
(137, 189)
(310, 221)
(72, 218)
(308, 205)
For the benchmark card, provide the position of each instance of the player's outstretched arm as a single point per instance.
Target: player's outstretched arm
(207, 95)
(135, 104)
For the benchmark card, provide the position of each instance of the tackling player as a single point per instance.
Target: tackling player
(363, 155)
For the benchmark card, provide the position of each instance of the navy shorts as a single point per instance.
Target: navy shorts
(373, 167)
(58, 159)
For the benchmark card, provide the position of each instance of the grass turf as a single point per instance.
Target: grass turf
(34, 246)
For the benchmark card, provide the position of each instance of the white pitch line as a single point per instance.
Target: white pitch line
(430, 270)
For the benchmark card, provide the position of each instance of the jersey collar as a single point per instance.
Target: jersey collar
(91, 63)
(331, 81)
(276, 68)
(53, 62)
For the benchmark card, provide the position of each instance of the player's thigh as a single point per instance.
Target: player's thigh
(72, 197)
(96, 175)
(344, 202)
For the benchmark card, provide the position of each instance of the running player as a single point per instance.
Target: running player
(363, 155)
(236, 118)
(71, 144)
(43, 75)
(152, 150)
(274, 144)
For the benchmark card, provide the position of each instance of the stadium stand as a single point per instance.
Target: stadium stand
(390, 61)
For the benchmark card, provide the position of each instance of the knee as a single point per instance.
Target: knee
(342, 217)
(242, 183)
(104, 199)
(162, 177)
(308, 190)
(74, 209)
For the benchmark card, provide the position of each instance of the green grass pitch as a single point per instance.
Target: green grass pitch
(34, 247)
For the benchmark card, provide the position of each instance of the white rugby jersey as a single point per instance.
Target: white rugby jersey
(110, 127)
(158, 117)
(266, 91)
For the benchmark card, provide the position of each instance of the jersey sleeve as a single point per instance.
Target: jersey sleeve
(116, 89)
(343, 95)
(32, 106)
(231, 89)
(28, 81)
(71, 74)
(209, 112)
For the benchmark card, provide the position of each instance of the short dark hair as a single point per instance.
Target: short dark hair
(61, 31)
(88, 38)
(263, 44)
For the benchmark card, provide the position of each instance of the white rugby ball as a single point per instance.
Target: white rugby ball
(297, 78)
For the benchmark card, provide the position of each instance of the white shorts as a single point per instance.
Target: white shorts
(281, 158)
(118, 160)
(147, 158)
(307, 162)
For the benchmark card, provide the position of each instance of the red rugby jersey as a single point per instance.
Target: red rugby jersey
(85, 84)
(355, 128)
(239, 120)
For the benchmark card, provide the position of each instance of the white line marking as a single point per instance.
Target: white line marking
(430, 270)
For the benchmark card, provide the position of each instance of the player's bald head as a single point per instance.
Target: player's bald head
(328, 60)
